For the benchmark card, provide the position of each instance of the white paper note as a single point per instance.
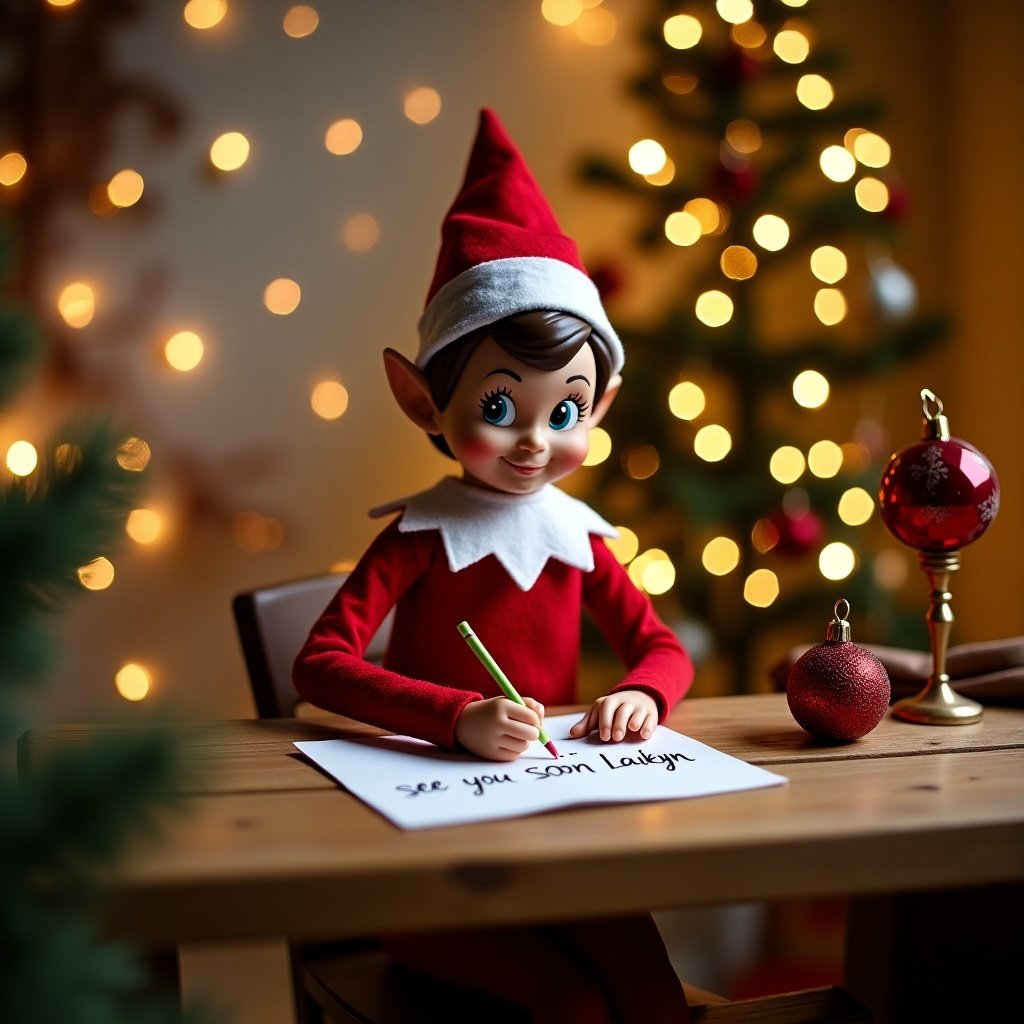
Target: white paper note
(418, 785)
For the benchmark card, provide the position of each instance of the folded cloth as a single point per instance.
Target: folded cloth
(990, 671)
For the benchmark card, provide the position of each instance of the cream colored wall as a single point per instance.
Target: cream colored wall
(947, 71)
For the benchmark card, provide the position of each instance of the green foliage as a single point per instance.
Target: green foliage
(696, 97)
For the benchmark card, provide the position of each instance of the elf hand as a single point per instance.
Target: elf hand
(615, 715)
(499, 729)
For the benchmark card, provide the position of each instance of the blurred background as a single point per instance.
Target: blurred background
(800, 212)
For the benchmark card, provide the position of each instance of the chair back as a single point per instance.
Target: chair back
(273, 623)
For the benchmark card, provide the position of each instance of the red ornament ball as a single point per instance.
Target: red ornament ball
(838, 691)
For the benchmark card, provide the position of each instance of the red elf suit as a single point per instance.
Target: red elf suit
(521, 568)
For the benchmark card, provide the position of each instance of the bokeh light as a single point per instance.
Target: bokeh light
(830, 306)
(360, 233)
(184, 351)
(810, 389)
(720, 556)
(815, 92)
(713, 308)
(422, 105)
(686, 400)
(734, 12)
(647, 156)
(203, 14)
(561, 12)
(712, 443)
(134, 455)
(828, 264)
(836, 561)
(97, 574)
(300, 21)
(871, 149)
(329, 399)
(599, 446)
(682, 228)
(642, 462)
(282, 296)
(133, 681)
(738, 263)
(771, 232)
(77, 304)
(22, 458)
(761, 588)
(837, 163)
(856, 506)
(596, 26)
(125, 188)
(229, 151)
(682, 31)
(786, 464)
(625, 546)
(12, 168)
(744, 136)
(792, 45)
(343, 137)
(825, 459)
(144, 525)
(872, 194)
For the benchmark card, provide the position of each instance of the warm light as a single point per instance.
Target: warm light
(204, 13)
(329, 399)
(771, 232)
(664, 176)
(343, 137)
(62, 3)
(647, 156)
(22, 458)
(659, 574)
(761, 588)
(133, 680)
(682, 31)
(825, 459)
(738, 263)
(642, 461)
(856, 457)
(253, 532)
(125, 188)
(815, 92)
(791, 45)
(682, 228)
(828, 264)
(734, 12)
(12, 168)
(144, 525)
(764, 536)
(713, 308)
(184, 351)
(744, 136)
(67, 457)
(856, 506)
(720, 556)
(786, 464)
(794, 3)
(837, 163)
(229, 151)
(600, 446)
(422, 105)
(712, 443)
(681, 85)
(708, 212)
(872, 150)
(830, 306)
(360, 232)
(97, 575)
(134, 455)
(625, 546)
(810, 389)
(561, 12)
(282, 296)
(300, 21)
(750, 35)
(686, 400)
(836, 561)
(872, 194)
(77, 304)
(597, 27)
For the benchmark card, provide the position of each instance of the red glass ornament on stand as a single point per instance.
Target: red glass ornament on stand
(937, 496)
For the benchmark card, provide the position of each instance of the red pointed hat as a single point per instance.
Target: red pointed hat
(503, 253)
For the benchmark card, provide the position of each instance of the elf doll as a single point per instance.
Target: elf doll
(517, 362)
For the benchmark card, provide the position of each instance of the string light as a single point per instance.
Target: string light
(360, 233)
(422, 105)
(642, 462)
(133, 681)
(750, 35)
(144, 525)
(738, 263)
(77, 304)
(830, 306)
(134, 455)
(744, 136)
(856, 506)
(871, 149)
(712, 443)
(12, 168)
(713, 308)
(647, 156)
(300, 21)
(282, 296)
(22, 458)
(720, 556)
(625, 546)
(204, 14)
(329, 399)
(792, 44)
(561, 12)
(815, 92)
(125, 188)
(686, 400)
(734, 12)
(596, 26)
(682, 228)
(664, 176)
(786, 464)
(600, 447)
(183, 351)
(836, 561)
(229, 151)
(825, 459)
(771, 232)
(708, 213)
(343, 137)
(764, 536)
(856, 457)
(828, 264)
(682, 31)
(837, 163)
(680, 84)
(761, 588)
(810, 389)
(97, 574)
(653, 571)
(872, 194)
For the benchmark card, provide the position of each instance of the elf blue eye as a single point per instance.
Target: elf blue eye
(498, 408)
(565, 415)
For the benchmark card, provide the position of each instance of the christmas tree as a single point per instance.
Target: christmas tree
(778, 203)
(66, 818)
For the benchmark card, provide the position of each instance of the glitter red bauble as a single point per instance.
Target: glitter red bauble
(938, 494)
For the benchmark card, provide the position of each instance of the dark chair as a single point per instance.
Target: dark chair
(354, 982)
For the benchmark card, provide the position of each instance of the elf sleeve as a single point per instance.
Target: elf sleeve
(330, 671)
(656, 661)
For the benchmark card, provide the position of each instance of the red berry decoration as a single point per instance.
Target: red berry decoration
(838, 691)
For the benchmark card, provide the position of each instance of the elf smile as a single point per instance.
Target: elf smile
(522, 470)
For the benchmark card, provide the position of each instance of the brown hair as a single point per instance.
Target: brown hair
(544, 339)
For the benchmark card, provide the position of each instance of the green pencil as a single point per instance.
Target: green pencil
(498, 676)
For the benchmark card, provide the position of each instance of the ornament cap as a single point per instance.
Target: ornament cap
(934, 426)
(838, 631)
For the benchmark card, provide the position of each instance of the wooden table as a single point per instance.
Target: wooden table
(918, 825)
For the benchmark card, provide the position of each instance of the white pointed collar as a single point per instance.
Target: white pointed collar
(521, 530)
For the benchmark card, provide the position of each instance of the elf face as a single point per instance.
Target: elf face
(515, 428)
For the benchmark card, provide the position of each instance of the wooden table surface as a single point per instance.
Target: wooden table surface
(270, 846)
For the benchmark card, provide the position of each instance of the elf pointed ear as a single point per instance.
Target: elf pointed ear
(601, 407)
(411, 391)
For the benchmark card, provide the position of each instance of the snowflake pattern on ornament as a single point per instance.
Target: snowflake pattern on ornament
(933, 513)
(988, 508)
(931, 469)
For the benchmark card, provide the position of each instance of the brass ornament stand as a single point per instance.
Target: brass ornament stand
(938, 703)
